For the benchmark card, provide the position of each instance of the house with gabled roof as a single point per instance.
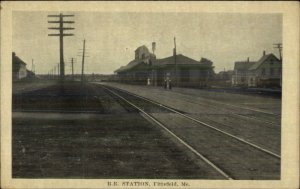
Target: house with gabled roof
(19, 70)
(266, 72)
(181, 70)
(240, 75)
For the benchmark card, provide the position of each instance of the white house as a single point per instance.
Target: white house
(18, 68)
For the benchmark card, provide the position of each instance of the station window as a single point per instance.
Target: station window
(271, 71)
(263, 71)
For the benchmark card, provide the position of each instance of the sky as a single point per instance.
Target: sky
(112, 37)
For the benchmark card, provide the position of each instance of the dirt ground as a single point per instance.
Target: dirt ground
(109, 146)
(114, 142)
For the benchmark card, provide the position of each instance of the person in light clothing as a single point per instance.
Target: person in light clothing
(148, 81)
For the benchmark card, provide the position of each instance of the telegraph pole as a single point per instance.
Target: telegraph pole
(279, 47)
(82, 67)
(61, 34)
(72, 70)
(54, 71)
(175, 61)
(32, 65)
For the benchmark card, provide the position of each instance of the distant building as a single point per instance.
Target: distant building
(30, 74)
(18, 68)
(266, 72)
(224, 78)
(239, 78)
(145, 67)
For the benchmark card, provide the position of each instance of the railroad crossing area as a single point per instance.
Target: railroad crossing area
(114, 130)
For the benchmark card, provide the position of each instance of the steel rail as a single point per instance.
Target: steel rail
(241, 107)
(232, 112)
(205, 124)
(226, 104)
(174, 135)
(254, 118)
(246, 108)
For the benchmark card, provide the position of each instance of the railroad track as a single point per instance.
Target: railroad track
(235, 114)
(237, 106)
(216, 105)
(225, 173)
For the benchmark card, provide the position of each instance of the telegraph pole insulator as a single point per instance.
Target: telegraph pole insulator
(61, 34)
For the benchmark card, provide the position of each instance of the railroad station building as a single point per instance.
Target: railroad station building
(266, 72)
(146, 67)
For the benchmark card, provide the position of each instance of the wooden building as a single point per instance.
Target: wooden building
(240, 76)
(181, 70)
(266, 72)
(18, 68)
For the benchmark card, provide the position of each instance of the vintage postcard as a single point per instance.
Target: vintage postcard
(151, 94)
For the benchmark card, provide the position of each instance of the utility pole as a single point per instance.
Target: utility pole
(82, 67)
(279, 47)
(72, 70)
(32, 66)
(61, 34)
(54, 70)
(175, 61)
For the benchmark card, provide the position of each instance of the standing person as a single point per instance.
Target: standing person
(148, 81)
(165, 83)
(170, 84)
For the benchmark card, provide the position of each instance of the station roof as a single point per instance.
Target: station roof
(180, 60)
(130, 65)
